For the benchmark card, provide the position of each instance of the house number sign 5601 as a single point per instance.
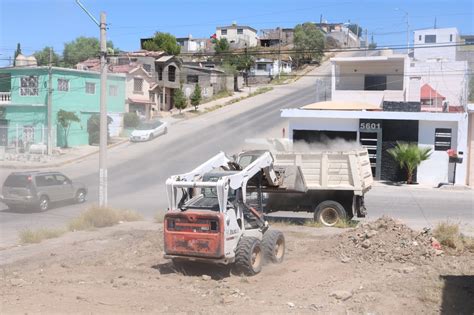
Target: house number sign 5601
(369, 125)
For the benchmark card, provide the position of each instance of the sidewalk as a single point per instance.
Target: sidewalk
(456, 187)
(69, 155)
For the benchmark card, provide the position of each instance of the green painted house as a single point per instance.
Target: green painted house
(24, 99)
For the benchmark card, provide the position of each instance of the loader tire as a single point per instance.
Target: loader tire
(273, 244)
(249, 256)
(329, 212)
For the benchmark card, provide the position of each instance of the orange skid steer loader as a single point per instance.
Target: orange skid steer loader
(209, 218)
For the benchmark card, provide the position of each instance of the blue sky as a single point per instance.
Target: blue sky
(39, 23)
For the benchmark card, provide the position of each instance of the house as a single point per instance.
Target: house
(23, 103)
(341, 33)
(374, 79)
(430, 99)
(276, 36)
(194, 45)
(238, 36)
(265, 69)
(440, 64)
(379, 128)
(168, 69)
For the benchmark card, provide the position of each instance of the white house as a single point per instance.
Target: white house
(270, 67)
(374, 79)
(238, 35)
(438, 66)
(380, 130)
(445, 40)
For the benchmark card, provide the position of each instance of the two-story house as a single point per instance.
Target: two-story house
(23, 105)
(238, 36)
(168, 69)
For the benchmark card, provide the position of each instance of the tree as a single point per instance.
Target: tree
(131, 120)
(93, 128)
(42, 57)
(163, 42)
(180, 101)
(221, 45)
(196, 96)
(82, 48)
(309, 42)
(409, 156)
(65, 119)
(356, 29)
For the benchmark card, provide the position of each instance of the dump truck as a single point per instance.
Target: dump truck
(209, 219)
(331, 184)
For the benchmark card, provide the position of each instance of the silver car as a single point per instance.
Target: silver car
(39, 189)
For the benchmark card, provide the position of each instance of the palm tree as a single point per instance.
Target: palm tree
(409, 156)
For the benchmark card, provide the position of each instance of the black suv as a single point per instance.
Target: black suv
(39, 189)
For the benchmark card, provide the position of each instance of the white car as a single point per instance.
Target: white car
(148, 130)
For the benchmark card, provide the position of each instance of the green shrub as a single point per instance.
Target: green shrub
(131, 120)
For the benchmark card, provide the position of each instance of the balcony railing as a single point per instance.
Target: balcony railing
(5, 97)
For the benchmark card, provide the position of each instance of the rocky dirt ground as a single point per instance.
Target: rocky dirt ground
(379, 268)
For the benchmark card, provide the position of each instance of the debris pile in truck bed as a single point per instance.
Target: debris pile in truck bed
(386, 240)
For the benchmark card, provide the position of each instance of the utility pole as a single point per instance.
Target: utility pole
(103, 106)
(366, 42)
(50, 101)
(103, 114)
(408, 28)
(279, 52)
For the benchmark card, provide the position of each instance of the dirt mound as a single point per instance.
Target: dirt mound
(385, 240)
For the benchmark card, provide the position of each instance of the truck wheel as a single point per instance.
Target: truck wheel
(329, 212)
(274, 246)
(249, 256)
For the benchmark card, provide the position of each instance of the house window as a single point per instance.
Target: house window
(450, 37)
(90, 88)
(113, 90)
(430, 39)
(160, 73)
(137, 85)
(375, 83)
(171, 73)
(152, 97)
(29, 86)
(192, 79)
(147, 68)
(223, 31)
(419, 38)
(442, 139)
(63, 85)
(261, 66)
(240, 31)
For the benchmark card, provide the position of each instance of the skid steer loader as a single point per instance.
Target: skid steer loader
(210, 220)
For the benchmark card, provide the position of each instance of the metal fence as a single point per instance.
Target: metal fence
(24, 139)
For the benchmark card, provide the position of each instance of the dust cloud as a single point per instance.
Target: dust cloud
(286, 145)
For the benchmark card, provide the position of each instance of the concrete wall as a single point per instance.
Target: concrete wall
(439, 159)
(444, 36)
(449, 78)
(470, 151)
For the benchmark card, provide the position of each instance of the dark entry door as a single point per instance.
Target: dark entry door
(3, 132)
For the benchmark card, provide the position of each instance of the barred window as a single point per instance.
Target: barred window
(90, 88)
(443, 139)
(63, 85)
(29, 85)
(137, 85)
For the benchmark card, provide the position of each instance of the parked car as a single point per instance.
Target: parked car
(148, 130)
(39, 189)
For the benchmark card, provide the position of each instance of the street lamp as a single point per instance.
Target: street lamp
(408, 35)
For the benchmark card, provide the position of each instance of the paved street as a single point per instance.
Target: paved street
(137, 172)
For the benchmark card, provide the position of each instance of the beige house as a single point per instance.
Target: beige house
(141, 91)
(168, 71)
(238, 36)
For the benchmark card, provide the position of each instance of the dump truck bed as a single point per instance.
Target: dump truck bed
(330, 170)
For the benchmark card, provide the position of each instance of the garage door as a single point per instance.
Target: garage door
(323, 136)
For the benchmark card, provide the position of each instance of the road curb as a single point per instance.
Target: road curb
(59, 164)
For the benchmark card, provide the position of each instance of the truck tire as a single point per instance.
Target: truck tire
(273, 244)
(249, 256)
(329, 212)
